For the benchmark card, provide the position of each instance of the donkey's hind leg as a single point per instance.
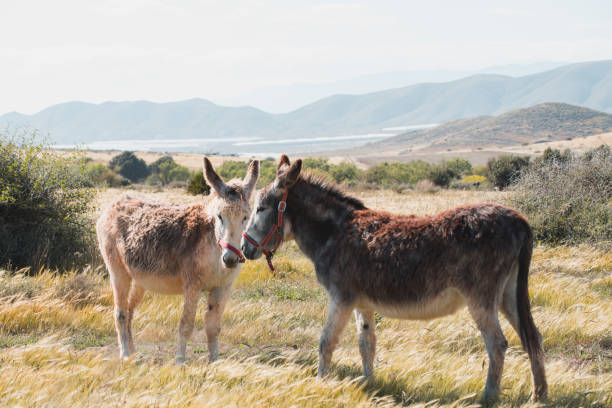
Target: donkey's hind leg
(488, 323)
(135, 297)
(508, 304)
(337, 317)
(367, 340)
(192, 295)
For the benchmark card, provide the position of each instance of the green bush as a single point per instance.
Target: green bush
(388, 174)
(345, 173)
(129, 166)
(165, 170)
(197, 184)
(237, 169)
(448, 171)
(568, 200)
(44, 206)
(480, 171)
(506, 169)
(101, 175)
(154, 167)
(316, 163)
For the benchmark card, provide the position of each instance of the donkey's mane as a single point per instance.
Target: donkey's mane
(331, 190)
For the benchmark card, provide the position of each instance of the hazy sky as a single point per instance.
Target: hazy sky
(62, 50)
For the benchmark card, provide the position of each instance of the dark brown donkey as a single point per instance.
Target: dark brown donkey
(404, 266)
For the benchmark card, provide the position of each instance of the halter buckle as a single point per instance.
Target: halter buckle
(282, 206)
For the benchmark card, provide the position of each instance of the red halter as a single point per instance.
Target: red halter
(282, 206)
(227, 245)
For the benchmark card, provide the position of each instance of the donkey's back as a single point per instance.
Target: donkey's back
(151, 237)
(403, 259)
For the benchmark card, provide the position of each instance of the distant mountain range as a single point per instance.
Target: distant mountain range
(286, 98)
(587, 84)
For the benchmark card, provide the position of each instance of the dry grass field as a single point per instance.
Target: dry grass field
(58, 346)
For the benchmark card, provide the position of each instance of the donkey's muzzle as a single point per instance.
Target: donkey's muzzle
(230, 260)
(249, 251)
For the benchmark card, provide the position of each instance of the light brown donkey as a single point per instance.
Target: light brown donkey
(176, 249)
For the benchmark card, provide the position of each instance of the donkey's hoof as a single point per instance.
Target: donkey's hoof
(489, 399)
(179, 361)
(539, 396)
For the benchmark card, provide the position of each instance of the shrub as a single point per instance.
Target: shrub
(447, 171)
(568, 200)
(165, 170)
(197, 184)
(44, 206)
(506, 169)
(457, 166)
(233, 169)
(387, 174)
(100, 175)
(154, 167)
(129, 166)
(345, 173)
(480, 171)
(237, 169)
(317, 163)
(441, 175)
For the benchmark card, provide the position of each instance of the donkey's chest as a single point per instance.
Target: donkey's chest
(444, 303)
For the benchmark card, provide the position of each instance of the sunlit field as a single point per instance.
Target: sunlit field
(58, 344)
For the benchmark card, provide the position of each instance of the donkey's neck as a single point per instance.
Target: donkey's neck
(317, 212)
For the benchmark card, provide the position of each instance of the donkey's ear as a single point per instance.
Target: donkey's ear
(251, 178)
(288, 178)
(283, 164)
(212, 178)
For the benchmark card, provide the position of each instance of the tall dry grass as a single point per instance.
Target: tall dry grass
(58, 345)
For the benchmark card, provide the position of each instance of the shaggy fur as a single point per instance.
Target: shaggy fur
(172, 249)
(406, 266)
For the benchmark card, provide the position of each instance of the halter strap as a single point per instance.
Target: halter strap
(282, 207)
(227, 245)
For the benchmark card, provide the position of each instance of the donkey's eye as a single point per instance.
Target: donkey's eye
(220, 218)
(244, 219)
(260, 209)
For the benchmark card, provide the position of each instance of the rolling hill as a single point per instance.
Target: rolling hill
(526, 130)
(587, 84)
(540, 123)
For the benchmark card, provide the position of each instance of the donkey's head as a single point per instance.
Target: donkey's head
(230, 209)
(263, 233)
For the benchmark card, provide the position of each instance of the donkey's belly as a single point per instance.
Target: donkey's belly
(166, 284)
(445, 303)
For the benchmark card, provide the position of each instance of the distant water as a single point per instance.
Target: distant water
(245, 146)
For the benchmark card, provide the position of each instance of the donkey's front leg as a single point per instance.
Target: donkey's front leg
(337, 316)
(367, 340)
(192, 295)
(216, 303)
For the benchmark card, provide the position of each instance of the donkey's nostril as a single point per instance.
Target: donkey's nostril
(229, 259)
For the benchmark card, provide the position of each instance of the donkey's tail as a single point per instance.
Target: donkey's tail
(530, 337)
